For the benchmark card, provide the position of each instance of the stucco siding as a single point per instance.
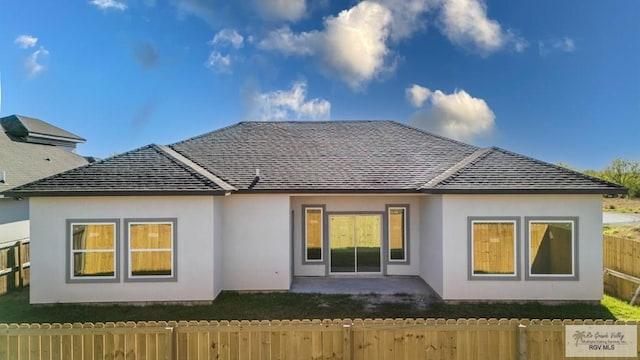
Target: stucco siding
(431, 262)
(357, 204)
(195, 248)
(14, 219)
(456, 210)
(256, 242)
(218, 256)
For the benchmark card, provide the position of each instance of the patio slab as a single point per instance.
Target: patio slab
(413, 285)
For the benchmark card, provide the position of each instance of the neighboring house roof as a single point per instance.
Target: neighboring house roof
(318, 157)
(37, 130)
(23, 161)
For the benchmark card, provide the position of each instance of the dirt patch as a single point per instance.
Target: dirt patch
(380, 302)
(622, 205)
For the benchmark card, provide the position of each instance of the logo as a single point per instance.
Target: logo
(601, 341)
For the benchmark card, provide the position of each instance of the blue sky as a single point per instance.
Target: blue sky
(556, 80)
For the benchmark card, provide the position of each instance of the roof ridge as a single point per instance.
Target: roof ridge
(205, 134)
(476, 155)
(194, 167)
(431, 134)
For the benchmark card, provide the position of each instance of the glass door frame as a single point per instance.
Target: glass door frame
(383, 229)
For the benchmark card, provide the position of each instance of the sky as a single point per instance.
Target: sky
(555, 80)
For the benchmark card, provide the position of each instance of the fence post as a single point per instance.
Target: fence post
(346, 341)
(522, 342)
(169, 346)
(19, 257)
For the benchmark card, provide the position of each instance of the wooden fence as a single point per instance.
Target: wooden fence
(295, 339)
(621, 255)
(14, 265)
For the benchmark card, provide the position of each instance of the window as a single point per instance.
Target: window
(151, 248)
(493, 248)
(552, 248)
(313, 228)
(397, 220)
(92, 246)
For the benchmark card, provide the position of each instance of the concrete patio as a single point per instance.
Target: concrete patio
(413, 285)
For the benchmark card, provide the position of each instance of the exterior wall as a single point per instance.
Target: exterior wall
(217, 246)
(257, 240)
(14, 219)
(195, 249)
(356, 204)
(456, 209)
(431, 261)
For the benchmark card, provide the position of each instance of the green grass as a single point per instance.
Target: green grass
(621, 309)
(15, 308)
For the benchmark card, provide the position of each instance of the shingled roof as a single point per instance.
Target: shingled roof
(27, 127)
(318, 157)
(22, 162)
(145, 171)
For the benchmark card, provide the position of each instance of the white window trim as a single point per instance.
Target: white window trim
(405, 210)
(304, 237)
(129, 276)
(516, 247)
(71, 278)
(574, 248)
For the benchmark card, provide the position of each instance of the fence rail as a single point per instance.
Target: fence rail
(14, 265)
(293, 339)
(623, 256)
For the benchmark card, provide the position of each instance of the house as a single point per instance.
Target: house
(30, 149)
(250, 206)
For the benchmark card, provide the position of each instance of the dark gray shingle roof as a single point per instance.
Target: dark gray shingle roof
(496, 170)
(331, 156)
(147, 170)
(324, 156)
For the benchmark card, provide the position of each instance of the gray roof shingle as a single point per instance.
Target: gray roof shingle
(24, 162)
(311, 157)
(324, 156)
(499, 170)
(23, 126)
(147, 170)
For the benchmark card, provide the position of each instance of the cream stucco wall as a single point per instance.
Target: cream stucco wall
(357, 204)
(456, 209)
(256, 242)
(14, 219)
(195, 249)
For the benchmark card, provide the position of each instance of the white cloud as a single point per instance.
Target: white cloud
(457, 115)
(290, 105)
(352, 45)
(564, 44)
(26, 41)
(407, 16)
(218, 62)
(228, 36)
(289, 43)
(31, 63)
(417, 95)
(465, 23)
(288, 10)
(109, 4)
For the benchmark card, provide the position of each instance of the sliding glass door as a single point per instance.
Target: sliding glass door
(354, 242)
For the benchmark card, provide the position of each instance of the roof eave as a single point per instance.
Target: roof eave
(617, 191)
(24, 194)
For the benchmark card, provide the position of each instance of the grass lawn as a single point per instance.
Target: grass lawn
(15, 308)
